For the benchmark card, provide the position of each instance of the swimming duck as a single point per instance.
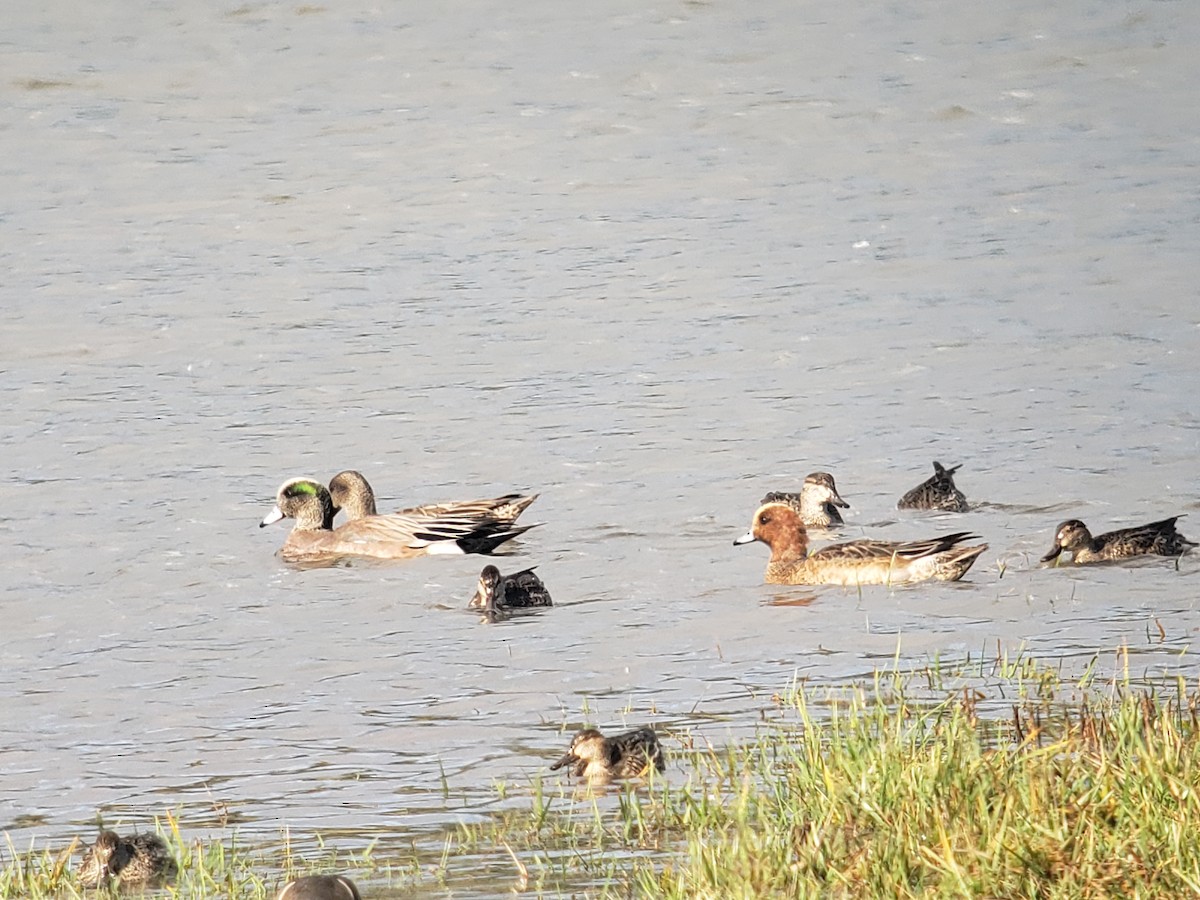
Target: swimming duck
(351, 493)
(938, 492)
(778, 526)
(521, 590)
(1154, 539)
(138, 859)
(817, 501)
(600, 759)
(313, 539)
(320, 887)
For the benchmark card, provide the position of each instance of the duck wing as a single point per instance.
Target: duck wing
(523, 589)
(452, 531)
(1158, 538)
(869, 551)
(502, 509)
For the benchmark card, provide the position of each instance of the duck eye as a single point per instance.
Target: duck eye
(764, 519)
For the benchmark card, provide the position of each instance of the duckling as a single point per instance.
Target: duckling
(600, 759)
(521, 590)
(1153, 539)
(138, 859)
(817, 501)
(320, 887)
(938, 492)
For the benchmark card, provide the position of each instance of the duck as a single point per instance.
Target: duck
(314, 540)
(521, 590)
(939, 492)
(137, 859)
(600, 759)
(778, 525)
(353, 495)
(320, 887)
(1153, 539)
(817, 501)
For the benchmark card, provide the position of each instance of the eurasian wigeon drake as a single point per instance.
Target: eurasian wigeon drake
(857, 562)
(352, 494)
(313, 539)
(817, 501)
(600, 759)
(938, 492)
(1154, 539)
(521, 590)
(320, 887)
(137, 859)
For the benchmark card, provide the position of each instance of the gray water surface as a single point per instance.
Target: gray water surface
(649, 261)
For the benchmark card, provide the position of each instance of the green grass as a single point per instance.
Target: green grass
(206, 869)
(1067, 790)
(997, 780)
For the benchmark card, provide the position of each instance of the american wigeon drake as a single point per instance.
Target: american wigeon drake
(600, 759)
(352, 494)
(320, 887)
(939, 492)
(857, 562)
(817, 501)
(313, 539)
(1154, 539)
(138, 859)
(521, 590)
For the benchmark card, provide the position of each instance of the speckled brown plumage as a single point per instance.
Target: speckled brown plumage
(938, 492)
(521, 590)
(817, 501)
(138, 859)
(600, 759)
(1153, 539)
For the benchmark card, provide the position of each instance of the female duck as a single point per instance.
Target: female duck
(521, 590)
(138, 859)
(939, 492)
(351, 493)
(600, 759)
(817, 502)
(1154, 539)
(314, 540)
(858, 562)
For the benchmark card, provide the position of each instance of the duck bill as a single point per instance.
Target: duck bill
(271, 518)
(479, 601)
(567, 757)
(1053, 554)
(838, 501)
(747, 538)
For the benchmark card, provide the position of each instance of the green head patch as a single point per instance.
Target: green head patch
(306, 488)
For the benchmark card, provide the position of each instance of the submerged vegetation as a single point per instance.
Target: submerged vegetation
(1008, 782)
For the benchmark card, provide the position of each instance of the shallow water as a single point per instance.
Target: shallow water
(650, 262)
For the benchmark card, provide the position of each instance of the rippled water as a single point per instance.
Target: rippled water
(648, 261)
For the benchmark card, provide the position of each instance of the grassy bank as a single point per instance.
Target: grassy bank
(1062, 791)
(206, 869)
(1000, 783)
